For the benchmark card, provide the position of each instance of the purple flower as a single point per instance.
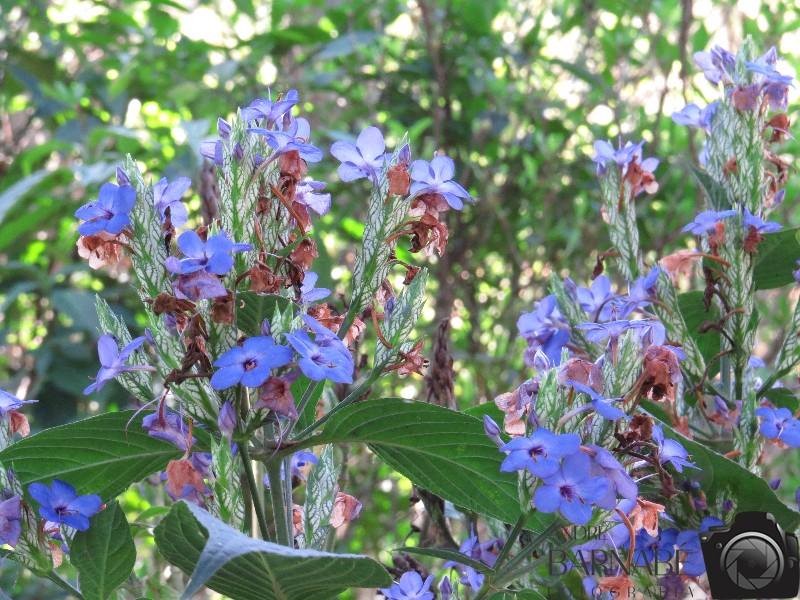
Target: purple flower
(544, 328)
(293, 139)
(250, 363)
(706, 221)
(198, 286)
(753, 222)
(605, 154)
(436, 177)
(324, 357)
(213, 149)
(485, 552)
(777, 424)
(168, 196)
(692, 115)
(642, 291)
(606, 465)
(670, 451)
(603, 406)
(309, 194)
(717, 65)
(598, 300)
(268, 109)
(168, 426)
(365, 158)
(113, 361)
(410, 587)
(309, 293)
(492, 430)
(9, 402)
(227, 420)
(611, 331)
(213, 256)
(539, 453)
(109, 213)
(60, 503)
(445, 588)
(572, 490)
(10, 525)
(299, 461)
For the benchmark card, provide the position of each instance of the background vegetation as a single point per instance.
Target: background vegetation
(516, 91)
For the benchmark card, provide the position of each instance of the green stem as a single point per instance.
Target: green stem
(278, 501)
(64, 584)
(254, 491)
(511, 540)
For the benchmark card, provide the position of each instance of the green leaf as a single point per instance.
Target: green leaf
(441, 450)
(782, 397)
(776, 260)
(254, 308)
(695, 314)
(104, 554)
(721, 476)
(519, 595)
(323, 483)
(101, 455)
(242, 568)
(445, 554)
(14, 193)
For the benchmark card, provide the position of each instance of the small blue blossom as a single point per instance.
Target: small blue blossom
(297, 466)
(572, 490)
(598, 300)
(324, 357)
(605, 464)
(365, 158)
(671, 451)
(410, 587)
(777, 424)
(9, 402)
(168, 195)
(539, 453)
(692, 115)
(309, 293)
(485, 552)
(602, 406)
(168, 426)
(10, 521)
(213, 150)
(436, 177)
(293, 139)
(605, 154)
(642, 291)
(717, 65)
(227, 421)
(544, 328)
(110, 212)
(271, 111)
(213, 256)
(309, 194)
(612, 330)
(751, 221)
(706, 221)
(113, 361)
(61, 504)
(249, 364)
(198, 285)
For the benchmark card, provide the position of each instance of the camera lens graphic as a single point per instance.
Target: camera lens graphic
(752, 560)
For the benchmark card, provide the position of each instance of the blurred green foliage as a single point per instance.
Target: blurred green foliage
(514, 90)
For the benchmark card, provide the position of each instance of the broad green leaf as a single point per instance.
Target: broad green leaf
(445, 554)
(776, 260)
(721, 476)
(104, 554)
(254, 308)
(782, 397)
(99, 455)
(15, 192)
(441, 450)
(323, 483)
(242, 568)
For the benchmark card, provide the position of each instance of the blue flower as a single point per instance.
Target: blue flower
(309, 293)
(270, 110)
(603, 406)
(598, 300)
(436, 177)
(198, 286)
(324, 357)
(706, 221)
(293, 139)
(717, 65)
(572, 490)
(410, 587)
(168, 426)
(692, 115)
(10, 521)
(168, 196)
(213, 149)
(623, 156)
(642, 291)
(109, 213)
(751, 221)
(9, 402)
(300, 460)
(606, 465)
(113, 361)
(670, 451)
(249, 364)
(611, 331)
(539, 453)
(213, 256)
(544, 328)
(485, 552)
(365, 158)
(60, 503)
(309, 194)
(777, 424)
